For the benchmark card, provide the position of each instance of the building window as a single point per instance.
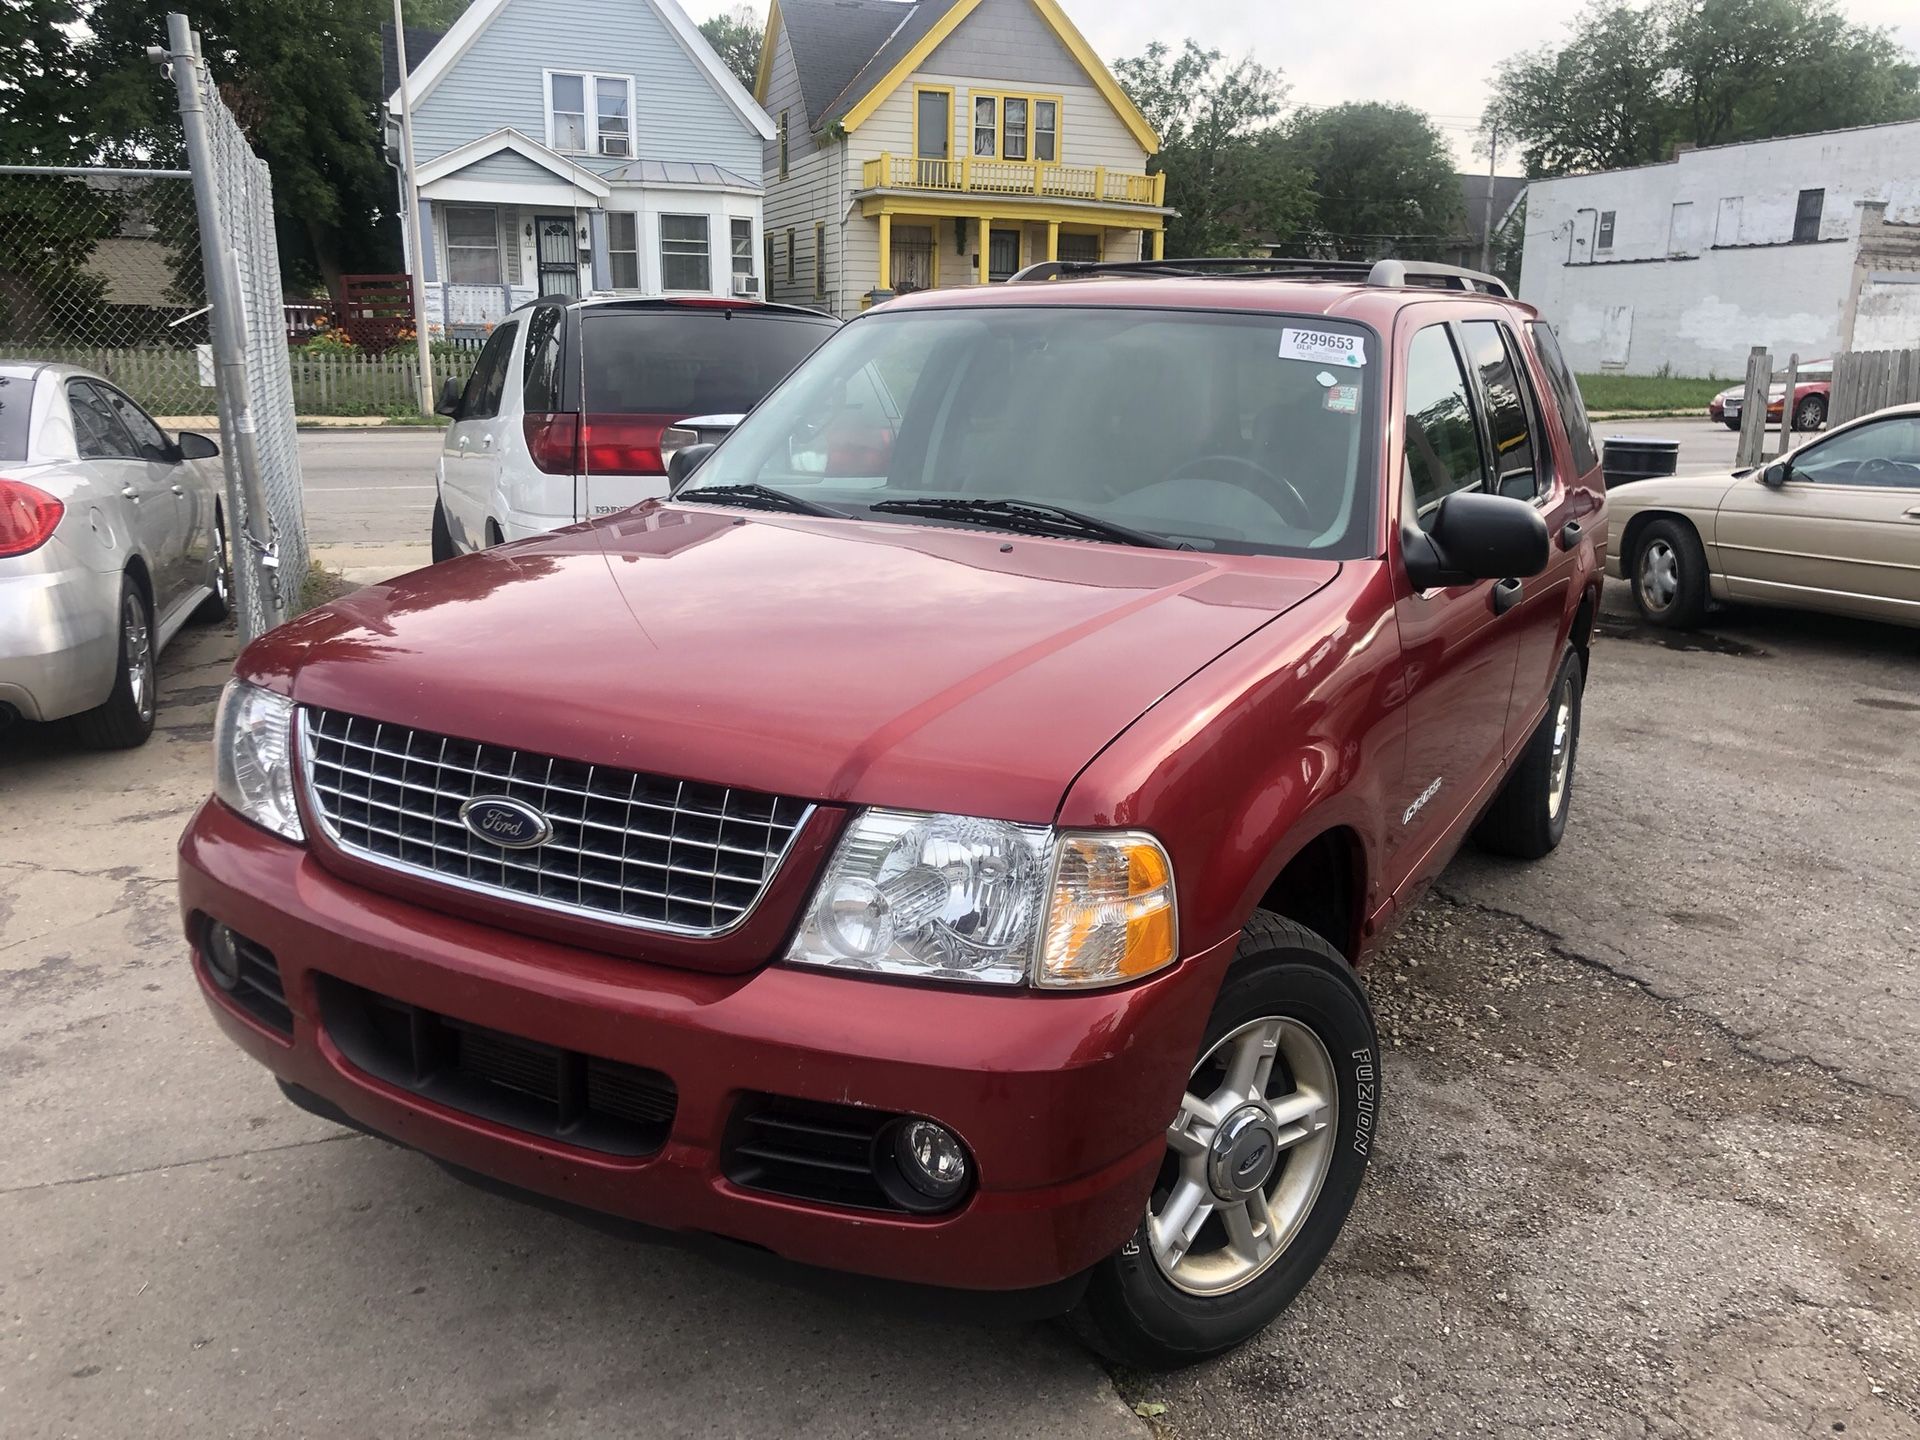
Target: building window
(1079, 249)
(1605, 242)
(768, 272)
(473, 245)
(1806, 216)
(1046, 131)
(1020, 128)
(623, 249)
(684, 259)
(590, 114)
(986, 127)
(743, 249)
(783, 144)
(1016, 111)
(793, 243)
(819, 262)
(1680, 228)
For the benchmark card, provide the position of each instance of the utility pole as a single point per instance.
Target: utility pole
(416, 241)
(1493, 165)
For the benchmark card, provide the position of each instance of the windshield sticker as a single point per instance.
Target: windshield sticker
(1323, 347)
(1342, 400)
(1325, 380)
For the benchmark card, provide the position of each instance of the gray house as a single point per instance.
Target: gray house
(567, 146)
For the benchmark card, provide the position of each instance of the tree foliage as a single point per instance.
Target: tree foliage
(735, 37)
(1383, 181)
(1634, 80)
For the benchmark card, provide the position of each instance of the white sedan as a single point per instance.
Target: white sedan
(111, 538)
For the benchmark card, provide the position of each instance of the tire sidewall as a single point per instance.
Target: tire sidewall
(1572, 674)
(1185, 1328)
(1689, 558)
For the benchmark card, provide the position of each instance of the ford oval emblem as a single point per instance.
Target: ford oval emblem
(510, 824)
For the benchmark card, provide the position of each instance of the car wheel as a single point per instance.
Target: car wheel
(1670, 574)
(1731, 424)
(1264, 1158)
(495, 536)
(218, 605)
(1810, 413)
(443, 547)
(126, 718)
(1529, 817)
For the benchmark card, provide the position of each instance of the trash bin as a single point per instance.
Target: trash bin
(1625, 458)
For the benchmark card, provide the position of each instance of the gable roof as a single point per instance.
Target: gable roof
(420, 40)
(510, 140)
(423, 75)
(1507, 190)
(877, 44)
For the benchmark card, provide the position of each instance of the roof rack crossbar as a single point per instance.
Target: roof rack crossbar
(1386, 274)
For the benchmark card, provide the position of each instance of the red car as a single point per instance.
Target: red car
(949, 856)
(1812, 387)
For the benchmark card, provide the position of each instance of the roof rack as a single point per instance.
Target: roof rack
(1384, 274)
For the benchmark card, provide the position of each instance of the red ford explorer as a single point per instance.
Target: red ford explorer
(939, 841)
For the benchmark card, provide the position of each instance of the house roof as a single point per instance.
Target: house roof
(137, 271)
(1507, 190)
(420, 39)
(686, 172)
(832, 41)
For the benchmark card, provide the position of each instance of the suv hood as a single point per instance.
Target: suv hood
(901, 665)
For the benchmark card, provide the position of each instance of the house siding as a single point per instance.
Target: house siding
(508, 167)
(814, 191)
(500, 82)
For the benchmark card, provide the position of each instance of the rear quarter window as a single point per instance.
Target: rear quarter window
(16, 409)
(1566, 395)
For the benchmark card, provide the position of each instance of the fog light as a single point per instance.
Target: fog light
(222, 956)
(932, 1159)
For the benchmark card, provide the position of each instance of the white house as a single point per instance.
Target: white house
(562, 146)
(1691, 263)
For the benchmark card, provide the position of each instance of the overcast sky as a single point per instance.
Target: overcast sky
(1438, 55)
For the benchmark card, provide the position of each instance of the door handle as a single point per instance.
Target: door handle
(1572, 534)
(486, 442)
(1506, 595)
(127, 492)
(463, 442)
(178, 491)
(1914, 513)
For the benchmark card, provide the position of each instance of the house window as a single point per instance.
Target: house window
(1016, 111)
(623, 249)
(743, 249)
(793, 243)
(819, 262)
(783, 144)
(1046, 131)
(1605, 242)
(1020, 128)
(1080, 249)
(684, 260)
(986, 127)
(473, 245)
(590, 114)
(1806, 216)
(768, 272)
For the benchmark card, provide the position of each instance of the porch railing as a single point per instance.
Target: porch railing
(969, 176)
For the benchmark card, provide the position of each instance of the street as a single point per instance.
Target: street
(1650, 1159)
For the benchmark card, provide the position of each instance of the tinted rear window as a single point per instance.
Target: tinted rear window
(1566, 394)
(16, 406)
(690, 361)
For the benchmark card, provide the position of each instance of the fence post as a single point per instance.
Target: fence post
(246, 491)
(1753, 410)
(1787, 402)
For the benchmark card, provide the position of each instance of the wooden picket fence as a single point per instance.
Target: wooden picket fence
(1869, 380)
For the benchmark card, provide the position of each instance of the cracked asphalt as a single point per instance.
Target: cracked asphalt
(1650, 1162)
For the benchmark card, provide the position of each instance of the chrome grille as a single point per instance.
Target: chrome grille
(648, 852)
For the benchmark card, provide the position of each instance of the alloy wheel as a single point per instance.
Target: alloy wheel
(221, 561)
(1560, 768)
(1246, 1156)
(137, 643)
(1659, 574)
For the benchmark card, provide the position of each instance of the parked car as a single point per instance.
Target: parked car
(569, 403)
(942, 842)
(111, 537)
(1812, 387)
(1834, 526)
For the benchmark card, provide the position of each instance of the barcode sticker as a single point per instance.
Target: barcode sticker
(1323, 347)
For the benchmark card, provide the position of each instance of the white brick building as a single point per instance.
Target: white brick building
(1691, 263)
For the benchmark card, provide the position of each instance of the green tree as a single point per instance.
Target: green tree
(735, 37)
(1231, 190)
(1383, 180)
(1594, 103)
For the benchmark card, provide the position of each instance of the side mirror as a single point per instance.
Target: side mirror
(1777, 474)
(197, 447)
(1476, 537)
(686, 460)
(450, 392)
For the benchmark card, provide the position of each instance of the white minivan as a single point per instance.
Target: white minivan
(566, 411)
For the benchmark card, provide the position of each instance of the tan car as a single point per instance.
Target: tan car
(1834, 525)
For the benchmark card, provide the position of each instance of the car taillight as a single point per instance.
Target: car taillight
(596, 444)
(28, 517)
(554, 442)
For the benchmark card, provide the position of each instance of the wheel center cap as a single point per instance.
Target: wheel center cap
(1245, 1150)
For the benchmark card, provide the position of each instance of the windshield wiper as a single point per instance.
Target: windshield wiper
(766, 496)
(1030, 517)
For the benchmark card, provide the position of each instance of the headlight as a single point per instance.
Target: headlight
(948, 897)
(253, 757)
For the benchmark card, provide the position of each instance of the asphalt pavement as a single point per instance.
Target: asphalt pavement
(1650, 1163)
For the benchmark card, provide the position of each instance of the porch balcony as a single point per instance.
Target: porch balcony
(1010, 178)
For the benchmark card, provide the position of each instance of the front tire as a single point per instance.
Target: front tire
(1731, 424)
(1528, 818)
(1670, 574)
(443, 546)
(1263, 1160)
(125, 719)
(1810, 413)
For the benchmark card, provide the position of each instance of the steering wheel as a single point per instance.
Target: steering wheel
(1879, 470)
(1278, 491)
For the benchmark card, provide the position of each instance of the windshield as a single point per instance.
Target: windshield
(1236, 433)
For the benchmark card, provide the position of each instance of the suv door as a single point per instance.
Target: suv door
(1458, 646)
(470, 459)
(140, 489)
(1842, 533)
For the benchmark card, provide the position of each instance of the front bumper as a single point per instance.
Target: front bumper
(59, 633)
(1061, 1099)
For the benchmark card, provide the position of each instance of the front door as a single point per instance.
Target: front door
(913, 258)
(1842, 534)
(1003, 255)
(559, 255)
(933, 139)
(1458, 650)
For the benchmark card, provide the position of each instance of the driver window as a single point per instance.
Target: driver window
(97, 432)
(1443, 454)
(1884, 454)
(489, 379)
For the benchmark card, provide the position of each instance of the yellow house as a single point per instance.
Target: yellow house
(923, 144)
